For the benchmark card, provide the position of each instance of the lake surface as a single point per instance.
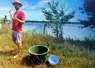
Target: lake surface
(69, 30)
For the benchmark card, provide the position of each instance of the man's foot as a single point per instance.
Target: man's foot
(16, 55)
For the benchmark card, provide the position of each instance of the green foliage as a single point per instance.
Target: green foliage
(87, 8)
(56, 17)
(1, 20)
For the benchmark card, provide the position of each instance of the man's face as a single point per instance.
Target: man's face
(17, 6)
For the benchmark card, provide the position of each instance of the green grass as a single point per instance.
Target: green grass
(70, 53)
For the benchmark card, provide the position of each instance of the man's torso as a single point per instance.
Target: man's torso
(16, 25)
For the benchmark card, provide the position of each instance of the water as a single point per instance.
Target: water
(32, 26)
(69, 30)
(75, 32)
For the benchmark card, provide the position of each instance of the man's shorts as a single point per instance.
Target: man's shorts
(16, 36)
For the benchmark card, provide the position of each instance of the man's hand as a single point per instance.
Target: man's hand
(14, 18)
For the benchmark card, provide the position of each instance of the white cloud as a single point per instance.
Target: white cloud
(34, 15)
(27, 6)
(42, 3)
(32, 7)
(39, 4)
(5, 8)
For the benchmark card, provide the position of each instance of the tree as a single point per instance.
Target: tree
(56, 16)
(90, 10)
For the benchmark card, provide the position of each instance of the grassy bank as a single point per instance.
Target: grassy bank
(71, 54)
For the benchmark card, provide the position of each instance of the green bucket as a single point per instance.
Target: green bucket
(38, 53)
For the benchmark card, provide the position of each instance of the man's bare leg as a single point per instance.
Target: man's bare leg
(19, 49)
(19, 45)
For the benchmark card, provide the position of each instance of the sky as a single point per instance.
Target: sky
(32, 8)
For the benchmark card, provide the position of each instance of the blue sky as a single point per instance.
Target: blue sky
(32, 10)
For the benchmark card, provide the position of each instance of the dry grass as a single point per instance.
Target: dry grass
(70, 55)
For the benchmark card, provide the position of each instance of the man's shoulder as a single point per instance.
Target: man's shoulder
(21, 11)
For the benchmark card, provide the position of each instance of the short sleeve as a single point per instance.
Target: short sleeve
(22, 16)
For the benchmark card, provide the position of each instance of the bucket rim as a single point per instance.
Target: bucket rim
(38, 54)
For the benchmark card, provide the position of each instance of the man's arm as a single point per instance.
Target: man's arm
(21, 21)
(11, 14)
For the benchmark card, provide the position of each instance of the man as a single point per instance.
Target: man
(17, 20)
(5, 20)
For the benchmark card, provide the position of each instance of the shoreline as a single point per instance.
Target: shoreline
(66, 34)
